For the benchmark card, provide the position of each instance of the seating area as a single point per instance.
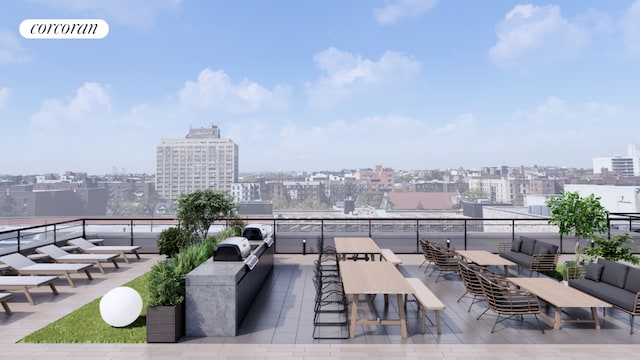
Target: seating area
(615, 283)
(530, 254)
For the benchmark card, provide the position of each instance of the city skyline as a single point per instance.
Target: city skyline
(409, 84)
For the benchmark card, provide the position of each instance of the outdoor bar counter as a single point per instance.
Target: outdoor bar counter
(219, 293)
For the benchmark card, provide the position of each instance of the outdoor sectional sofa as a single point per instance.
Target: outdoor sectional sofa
(531, 254)
(615, 283)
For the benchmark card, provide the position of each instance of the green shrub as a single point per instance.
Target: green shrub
(554, 274)
(613, 249)
(171, 241)
(166, 286)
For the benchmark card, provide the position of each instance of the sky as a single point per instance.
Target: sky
(326, 85)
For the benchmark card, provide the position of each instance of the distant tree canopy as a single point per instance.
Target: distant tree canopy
(198, 210)
(475, 194)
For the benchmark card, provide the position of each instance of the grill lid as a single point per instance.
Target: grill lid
(232, 248)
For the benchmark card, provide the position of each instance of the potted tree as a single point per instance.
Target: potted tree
(198, 210)
(582, 217)
(165, 313)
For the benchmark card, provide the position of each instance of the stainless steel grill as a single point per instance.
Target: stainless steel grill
(235, 248)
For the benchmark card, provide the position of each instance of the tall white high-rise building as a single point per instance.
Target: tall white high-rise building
(623, 165)
(202, 160)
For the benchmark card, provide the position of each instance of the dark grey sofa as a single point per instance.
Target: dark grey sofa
(616, 283)
(530, 253)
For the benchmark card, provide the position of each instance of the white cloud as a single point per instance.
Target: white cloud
(11, 50)
(630, 27)
(138, 13)
(90, 105)
(463, 122)
(5, 92)
(346, 74)
(395, 11)
(537, 34)
(215, 90)
(557, 130)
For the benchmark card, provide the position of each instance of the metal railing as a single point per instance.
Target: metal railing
(298, 235)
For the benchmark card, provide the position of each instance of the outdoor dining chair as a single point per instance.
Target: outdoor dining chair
(507, 300)
(473, 286)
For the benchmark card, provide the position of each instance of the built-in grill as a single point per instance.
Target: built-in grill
(235, 248)
(255, 232)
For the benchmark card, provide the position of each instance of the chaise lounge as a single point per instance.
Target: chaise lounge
(24, 266)
(23, 283)
(86, 246)
(60, 256)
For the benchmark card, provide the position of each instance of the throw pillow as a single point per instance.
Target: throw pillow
(594, 271)
(528, 244)
(515, 246)
(613, 273)
(633, 280)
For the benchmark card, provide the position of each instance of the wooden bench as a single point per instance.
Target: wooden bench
(389, 256)
(425, 300)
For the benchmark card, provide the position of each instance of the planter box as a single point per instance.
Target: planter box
(165, 324)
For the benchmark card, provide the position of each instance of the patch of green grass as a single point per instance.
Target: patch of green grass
(85, 325)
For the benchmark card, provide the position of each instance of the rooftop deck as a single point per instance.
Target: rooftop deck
(279, 325)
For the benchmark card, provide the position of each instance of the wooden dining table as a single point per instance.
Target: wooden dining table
(369, 278)
(485, 258)
(356, 246)
(561, 296)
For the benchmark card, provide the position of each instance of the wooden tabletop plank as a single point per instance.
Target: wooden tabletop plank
(356, 245)
(373, 277)
(484, 258)
(557, 294)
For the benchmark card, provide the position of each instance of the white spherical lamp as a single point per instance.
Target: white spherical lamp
(121, 306)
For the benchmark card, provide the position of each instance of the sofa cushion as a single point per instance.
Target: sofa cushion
(515, 246)
(594, 272)
(633, 280)
(613, 273)
(609, 293)
(528, 244)
(517, 257)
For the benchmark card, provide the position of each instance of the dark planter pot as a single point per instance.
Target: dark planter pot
(165, 324)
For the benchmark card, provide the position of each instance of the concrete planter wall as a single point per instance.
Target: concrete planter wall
(165, 324)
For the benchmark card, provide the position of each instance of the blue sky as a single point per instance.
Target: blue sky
(323, 85)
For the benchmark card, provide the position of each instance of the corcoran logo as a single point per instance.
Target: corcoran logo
(64, 29)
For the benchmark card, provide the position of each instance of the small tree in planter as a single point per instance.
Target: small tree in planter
(582, 217)
(165, 313)
(614, 249)
(198, 210)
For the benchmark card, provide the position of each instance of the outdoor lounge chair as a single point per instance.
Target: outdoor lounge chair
(86, 246)
(23, 283)
(4, 297)
(25, 266)
(60, 256)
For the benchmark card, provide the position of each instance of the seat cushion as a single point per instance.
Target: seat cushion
(609, 293)
(528, 244)
(613, 273)
(633, 281)
(594, 272)
(517, 257)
